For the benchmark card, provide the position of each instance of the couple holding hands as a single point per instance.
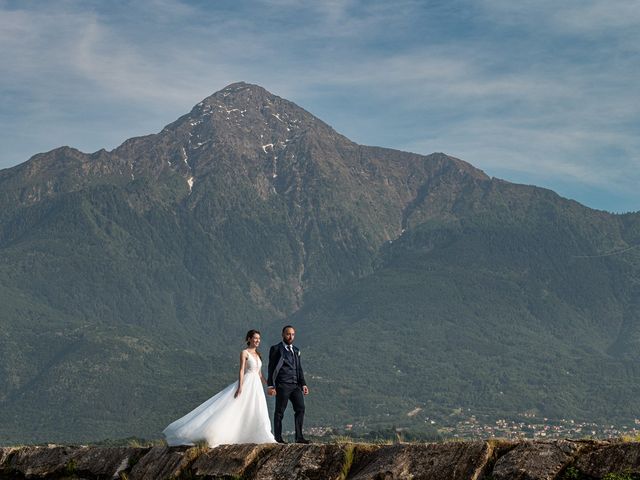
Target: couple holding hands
(238, 414)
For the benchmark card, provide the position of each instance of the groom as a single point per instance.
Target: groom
(286, 382)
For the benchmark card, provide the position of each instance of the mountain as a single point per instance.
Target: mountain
(128, 279)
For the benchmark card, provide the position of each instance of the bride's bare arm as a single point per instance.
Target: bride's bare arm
(262, 378)
(243, 361)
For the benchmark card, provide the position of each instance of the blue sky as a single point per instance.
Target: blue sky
(539, 92)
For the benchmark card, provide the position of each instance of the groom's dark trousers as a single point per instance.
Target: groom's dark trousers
(284, 393)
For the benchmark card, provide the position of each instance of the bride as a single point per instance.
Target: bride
(237, 414)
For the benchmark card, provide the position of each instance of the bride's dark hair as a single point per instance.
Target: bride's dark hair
(248, 338)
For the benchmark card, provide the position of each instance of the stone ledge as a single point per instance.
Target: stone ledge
(471, 460)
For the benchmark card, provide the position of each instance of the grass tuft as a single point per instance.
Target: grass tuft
(349, 451)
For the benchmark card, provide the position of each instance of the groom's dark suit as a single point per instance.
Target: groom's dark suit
(286, 375)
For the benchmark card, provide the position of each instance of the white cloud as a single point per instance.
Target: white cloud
(585, 17)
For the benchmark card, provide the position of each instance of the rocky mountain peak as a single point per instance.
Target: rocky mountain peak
(252, 131)
(245, 116)
(244, 132)
(241, 92)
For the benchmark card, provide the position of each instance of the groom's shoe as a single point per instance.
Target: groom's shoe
(279, 440)
(303, 440)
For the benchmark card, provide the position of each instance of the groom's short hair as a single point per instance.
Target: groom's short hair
(284, 329)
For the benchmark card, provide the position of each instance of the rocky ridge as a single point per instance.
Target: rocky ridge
(471, 460)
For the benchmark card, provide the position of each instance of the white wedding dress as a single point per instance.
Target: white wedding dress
(224, 419)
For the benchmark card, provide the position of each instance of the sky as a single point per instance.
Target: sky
(538, 92)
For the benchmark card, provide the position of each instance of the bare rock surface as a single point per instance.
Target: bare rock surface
(164, 462)
(228, 461)
(4, 453)
(535, 460)
(614, 458)
(107, 462)
(434, 461)
(470, 460)
(305, 462)
(41, 462)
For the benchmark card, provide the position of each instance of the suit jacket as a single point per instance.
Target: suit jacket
(276, 358)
